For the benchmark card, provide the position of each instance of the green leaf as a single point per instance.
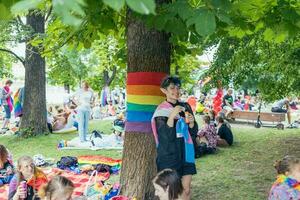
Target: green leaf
(205, 22)
(4, 12)
(115, 4)
(25, 5)
(71, 12)
(142, 6)
(221, 4)
(224, 17)
(175, 26)
(268, 34)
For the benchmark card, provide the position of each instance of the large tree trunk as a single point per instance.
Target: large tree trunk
(148, 51)
(34, 117)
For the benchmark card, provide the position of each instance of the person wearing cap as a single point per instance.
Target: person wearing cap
(175, 130)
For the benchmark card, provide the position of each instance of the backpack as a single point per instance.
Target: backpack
(67, 162)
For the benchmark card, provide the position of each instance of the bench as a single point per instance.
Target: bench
(264, 116)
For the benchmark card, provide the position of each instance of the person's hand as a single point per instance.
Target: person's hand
(10, 93)
(9, 171)
(20, 192)
(191, 118)
(176, 110)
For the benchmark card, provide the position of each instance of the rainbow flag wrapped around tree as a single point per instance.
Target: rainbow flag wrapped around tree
(17, 104)
(143, 96)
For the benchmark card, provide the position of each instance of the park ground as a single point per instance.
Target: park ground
(244, 171)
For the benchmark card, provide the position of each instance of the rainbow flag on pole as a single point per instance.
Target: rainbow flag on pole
(143, 96)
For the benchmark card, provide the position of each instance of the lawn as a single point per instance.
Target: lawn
(244, 171)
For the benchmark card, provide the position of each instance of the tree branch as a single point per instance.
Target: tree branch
(15, 55)
(110, 79)
(20, 20)
(49, 13)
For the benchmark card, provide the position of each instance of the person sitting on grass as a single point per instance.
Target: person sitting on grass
(287, 185)
(58, 188)
(168, 185)
(6, 167)
(60, 120)
(27, 181)
(224, 133)
(206, 139)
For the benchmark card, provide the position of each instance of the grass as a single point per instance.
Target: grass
(244, 171)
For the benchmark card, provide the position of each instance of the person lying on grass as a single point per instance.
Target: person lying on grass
(287, 185)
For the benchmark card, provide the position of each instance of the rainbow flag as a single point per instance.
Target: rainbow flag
(17, 105)
(143, 96)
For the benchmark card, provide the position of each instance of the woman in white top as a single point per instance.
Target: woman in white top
(84, 97)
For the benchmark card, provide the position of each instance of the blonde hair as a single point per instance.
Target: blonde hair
(286, 164)
(21, 161)
(3, 154)
(57, 185)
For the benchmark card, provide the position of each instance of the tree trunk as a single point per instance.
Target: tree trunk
(34, 116)
(67, 88)
(148, 51)
(108, 80)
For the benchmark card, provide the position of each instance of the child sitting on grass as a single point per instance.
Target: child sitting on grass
(168, 185)
(27, 181)
(6, 167)
(287, 185)
(206, 139)
(225, 136)
(58, 188)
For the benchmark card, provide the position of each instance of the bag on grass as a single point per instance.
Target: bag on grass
(67, 162)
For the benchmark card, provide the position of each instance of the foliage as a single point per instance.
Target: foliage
(273, 69)
(67, 68)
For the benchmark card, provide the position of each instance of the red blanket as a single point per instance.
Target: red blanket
(79, 180)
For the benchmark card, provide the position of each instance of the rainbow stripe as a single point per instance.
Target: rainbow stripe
(143, 96)
(17, 104)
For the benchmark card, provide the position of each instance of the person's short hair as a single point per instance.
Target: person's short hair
(286, 164)
(168, 80)
(206, 119)
(8, 82)
(220, 119)
(169, 178)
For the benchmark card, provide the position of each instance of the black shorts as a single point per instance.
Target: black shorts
(278, 110)
(182, 169)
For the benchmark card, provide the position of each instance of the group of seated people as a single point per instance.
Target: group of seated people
(60, 118)
(27, 182)
(215, 132)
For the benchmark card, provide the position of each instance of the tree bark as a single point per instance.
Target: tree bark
(108, 80)
(34, 111)
(148, 51)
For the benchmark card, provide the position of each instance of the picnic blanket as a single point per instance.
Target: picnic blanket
(106, 142)
(96, 159)
(79, 180)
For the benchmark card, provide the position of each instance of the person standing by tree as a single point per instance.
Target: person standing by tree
(84, 97)
(175, 129)
(7, 104)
